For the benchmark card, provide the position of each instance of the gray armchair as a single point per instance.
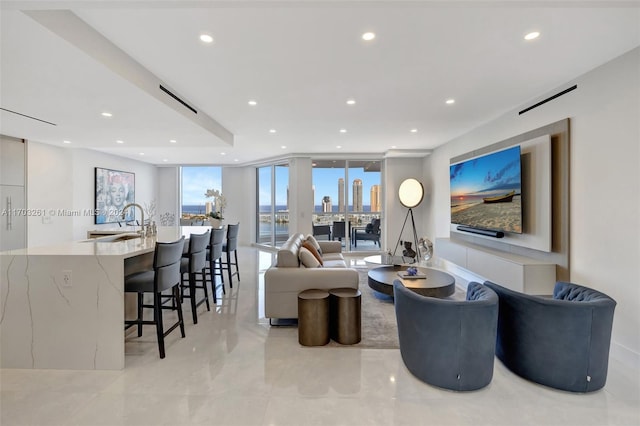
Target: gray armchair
(448, 343)
(561, 342)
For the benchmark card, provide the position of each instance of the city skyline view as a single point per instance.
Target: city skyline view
(197, 179)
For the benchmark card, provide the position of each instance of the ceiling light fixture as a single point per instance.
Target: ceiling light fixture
(164, 160)
(450, 101)
(283, 147)
(351, 101)
(394, 146)
(343, 130)
(252, 103)
(206, 38)
(142, 153)
(368, 36)
(339, 146)
(119, 141)
(67, 142)
(223, 153)
(172, 141)
(414, 130)
(272, 130)
(106, 114)
(235, 160)
(532, 35)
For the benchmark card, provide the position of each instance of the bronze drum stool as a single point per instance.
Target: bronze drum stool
(345, 315)
(313, 317)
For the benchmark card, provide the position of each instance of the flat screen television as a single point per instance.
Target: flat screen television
(486, 191)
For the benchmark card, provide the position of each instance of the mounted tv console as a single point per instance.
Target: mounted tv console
(487, 232)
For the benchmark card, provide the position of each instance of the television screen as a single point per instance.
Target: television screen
(486, 191)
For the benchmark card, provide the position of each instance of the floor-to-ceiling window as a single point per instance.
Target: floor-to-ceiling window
(273, 204)
(195, 205)
(347, 196)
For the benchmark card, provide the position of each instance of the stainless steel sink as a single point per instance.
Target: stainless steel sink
(114, 238)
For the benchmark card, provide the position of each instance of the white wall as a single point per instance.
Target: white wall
(396, 170)
(605, 184)
(62, 178)
(239, 188)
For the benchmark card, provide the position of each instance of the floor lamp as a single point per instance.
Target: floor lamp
(410, 194)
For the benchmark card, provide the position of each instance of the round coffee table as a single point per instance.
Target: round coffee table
(436, 284)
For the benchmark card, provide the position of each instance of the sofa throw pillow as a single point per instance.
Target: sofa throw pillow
(312, 249)
(307, 259)
(315, 243)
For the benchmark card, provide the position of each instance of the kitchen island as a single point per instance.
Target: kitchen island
(63, 306)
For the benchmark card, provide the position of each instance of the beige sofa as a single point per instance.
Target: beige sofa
(288, 276)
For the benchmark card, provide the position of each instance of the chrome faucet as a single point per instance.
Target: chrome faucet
(124, 210)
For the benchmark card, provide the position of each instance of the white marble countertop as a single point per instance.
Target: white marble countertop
(102, 246)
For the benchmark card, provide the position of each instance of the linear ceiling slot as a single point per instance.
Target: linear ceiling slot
(168, 92)
(28, 116)
(550, 98)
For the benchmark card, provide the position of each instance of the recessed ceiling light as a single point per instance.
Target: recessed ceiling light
(450, 101)
(272, 130)
(107, 114)
(532, 35)
(206, 38)
(252, 103)
(368, 36)
(172, 141)
(142, 153)
(343, 130)
(235, 160)
(351, 101)
(283, 147)
(339, 146)
(223, 153)
(119, 141)
(394, 146)
(164, 160)
(414, 130)
(67, 142)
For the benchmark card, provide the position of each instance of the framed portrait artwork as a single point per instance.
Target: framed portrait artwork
(114, 189)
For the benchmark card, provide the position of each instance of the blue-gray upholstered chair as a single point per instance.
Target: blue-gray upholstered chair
(448, 343)
(164, 276)
(561, 342)
(193, 264)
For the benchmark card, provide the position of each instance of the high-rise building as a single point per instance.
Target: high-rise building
(208, 207)
(326, 204)
(376, 201)
(341, 195)
(357, 195)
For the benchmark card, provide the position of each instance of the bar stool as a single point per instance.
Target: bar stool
(214, 259)
(231, 246)
(194, 263)
(164, 276)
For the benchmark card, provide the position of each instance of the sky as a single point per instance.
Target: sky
(492, 173)
(196, 180)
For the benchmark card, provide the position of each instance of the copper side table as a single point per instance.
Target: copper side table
(346, 317)
(313, 317)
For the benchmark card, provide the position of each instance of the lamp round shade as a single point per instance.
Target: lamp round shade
(410, 193)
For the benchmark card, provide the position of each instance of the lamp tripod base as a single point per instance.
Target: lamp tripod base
(416, 255)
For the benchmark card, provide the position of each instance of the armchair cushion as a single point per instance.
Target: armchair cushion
(306, 244)
(308, 259)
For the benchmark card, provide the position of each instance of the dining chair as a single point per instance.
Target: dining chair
(193, 263)
(164, 276)
(214, 260)
(230, 246)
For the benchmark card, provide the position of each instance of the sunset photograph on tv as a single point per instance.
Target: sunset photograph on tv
(486, 191)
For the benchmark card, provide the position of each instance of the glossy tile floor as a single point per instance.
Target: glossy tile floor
(233, 369)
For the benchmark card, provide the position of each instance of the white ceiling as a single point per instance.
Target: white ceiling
(300, 60)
